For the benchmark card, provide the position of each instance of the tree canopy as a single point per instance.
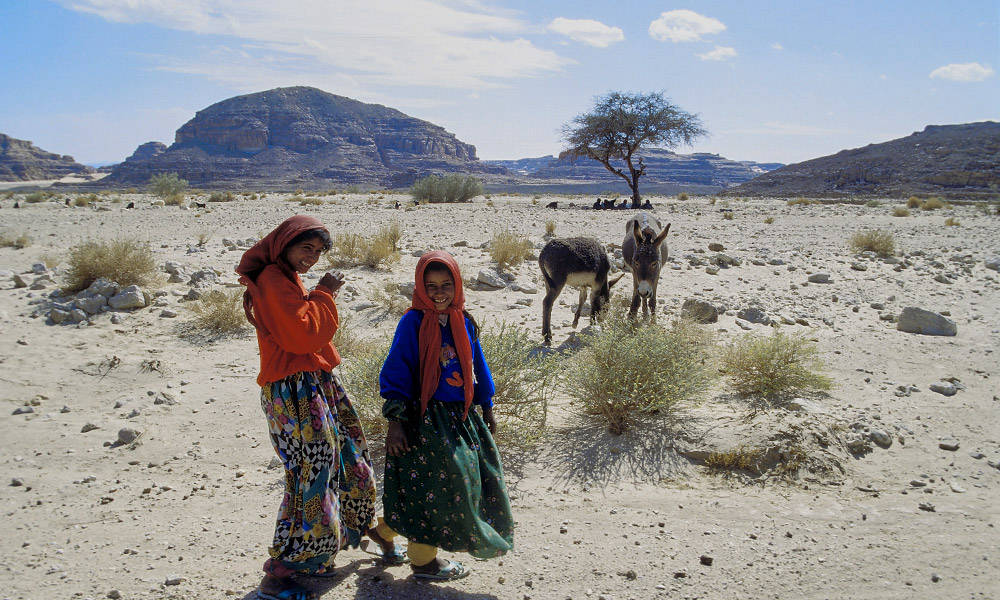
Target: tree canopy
(621, 124)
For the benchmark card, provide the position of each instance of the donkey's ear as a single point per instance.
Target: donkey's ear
(663, 235)
(611, 282)
(636, 232)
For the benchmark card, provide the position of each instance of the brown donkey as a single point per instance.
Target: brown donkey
(644, 254)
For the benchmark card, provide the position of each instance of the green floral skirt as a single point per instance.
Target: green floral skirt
(448, 491)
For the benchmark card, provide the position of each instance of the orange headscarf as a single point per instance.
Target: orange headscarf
(269, 251)
(429, 339)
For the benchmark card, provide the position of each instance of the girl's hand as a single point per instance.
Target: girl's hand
(395, 440)
(332, 281)
(491, 423)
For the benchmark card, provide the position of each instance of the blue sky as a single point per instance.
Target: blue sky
(778, 81)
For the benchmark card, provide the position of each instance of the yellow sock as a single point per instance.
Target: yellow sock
(420, 554)
(384, 531)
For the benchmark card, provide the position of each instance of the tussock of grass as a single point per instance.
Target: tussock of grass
(774, 366)
(682, 197)
(800, 201)
(307, 201)
(220, 313)
(509, 249)
(36, 197)
(728, 215)
(873, 204)
(85, 200)
(879, 241)
(360, 372)
(174, 200)
(607, 382)
(18, 242)
(952, 222)
(899, 211)
(524, 386)
(221, 197)
(743, 458)
(376, 251)
(550, 228)
(913, 202)
(347, 340)
(128, 262)
(769, 220)
(203, 238)
(932, 204)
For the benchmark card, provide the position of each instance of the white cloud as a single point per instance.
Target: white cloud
(777, 46)
(964, 72)
(593, 33)
(377, 43)
(684, 26)
(719, 53)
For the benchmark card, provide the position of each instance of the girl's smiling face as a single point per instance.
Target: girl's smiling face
(303, 255)
(440, 288)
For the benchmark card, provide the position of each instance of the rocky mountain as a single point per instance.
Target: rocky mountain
(302, 136)
(662, 166)
(948, 160)
(20, 160)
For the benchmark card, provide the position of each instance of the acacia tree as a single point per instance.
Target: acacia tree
(621, 124)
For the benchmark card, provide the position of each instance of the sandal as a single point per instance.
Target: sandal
(450, 572)
(394, 558)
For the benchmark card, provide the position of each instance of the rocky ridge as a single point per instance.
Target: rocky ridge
(20, 160)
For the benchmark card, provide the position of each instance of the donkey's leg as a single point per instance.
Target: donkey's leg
(635, 297)
(652, 301)
(579, 307)
(551, 293)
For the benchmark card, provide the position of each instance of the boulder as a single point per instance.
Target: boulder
(918, 320)
(491, 279)
(128, 299)
(699, 311)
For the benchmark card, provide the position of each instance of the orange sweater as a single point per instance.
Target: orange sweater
(300, 327)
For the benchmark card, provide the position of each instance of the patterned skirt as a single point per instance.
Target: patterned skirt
(448, 491)
(329, 499)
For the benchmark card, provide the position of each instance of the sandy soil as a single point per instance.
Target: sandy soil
(187, 511)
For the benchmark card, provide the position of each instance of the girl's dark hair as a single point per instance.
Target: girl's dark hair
(321, 234)
(440, 267)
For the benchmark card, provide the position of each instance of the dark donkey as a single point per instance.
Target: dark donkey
(644, 254)
(582, 263)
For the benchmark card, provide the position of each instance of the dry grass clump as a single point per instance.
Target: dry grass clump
(550, 228)
(913, 202)
(879, 241)
(606, 381)
(509, 249)
(39, 196)
(347, 340)
(128, 262)
(360, 373)
(376, 251)
(307, 201)
(524, 385)
(774, 366)
(85, 200)
(743, 458)
(11, 241)
(899, 211)
(769, 220)
(682, 197)
(174, 200)
(952, 222)
(932, 204)
(220, 313)
(800, 201)
(873, 204)
(728, 215)
(221, 197)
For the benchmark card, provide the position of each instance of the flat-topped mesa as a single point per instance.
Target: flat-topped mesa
(20, 160)
(302, 135)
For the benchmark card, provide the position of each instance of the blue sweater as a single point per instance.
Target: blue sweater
(399, 379)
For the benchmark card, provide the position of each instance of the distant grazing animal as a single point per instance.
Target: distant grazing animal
(644, 253)
(200, 205)
(130, 205)
(67, 202)
(597, 204)
(580, 262)
(397, 204)
(553, 204)
(16, 205)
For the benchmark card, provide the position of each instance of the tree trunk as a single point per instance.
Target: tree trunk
(636, 199)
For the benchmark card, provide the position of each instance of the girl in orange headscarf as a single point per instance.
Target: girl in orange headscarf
(444, 485)
(329, 499)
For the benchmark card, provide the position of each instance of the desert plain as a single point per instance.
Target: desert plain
(186, 510)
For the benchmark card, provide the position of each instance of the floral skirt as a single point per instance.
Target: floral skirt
(329, 499)
(448, 491)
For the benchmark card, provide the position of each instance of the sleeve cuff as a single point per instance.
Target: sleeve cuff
(394, 409)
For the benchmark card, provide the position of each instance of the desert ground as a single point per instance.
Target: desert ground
(186, 510)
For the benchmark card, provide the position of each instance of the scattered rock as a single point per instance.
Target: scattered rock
(819, 278)
(174, 580)
(993, 263)
(19, 282)
(745, 325)
(127, 435)
(927, 506)
(949, 444)
(945, 388)
(881, 438)
(716, 247)
(166, 313)
(706, 560)
(88, 427)
(491, 279)
(23, 410)
(16, 482)
(754, 314)
(128, 298)
(918, 320)
(699, 311)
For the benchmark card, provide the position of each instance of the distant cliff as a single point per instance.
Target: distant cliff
(950, 160)
(302, 136)
(662, 166)
(20, 160)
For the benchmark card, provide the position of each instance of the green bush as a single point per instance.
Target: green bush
(166, 185)
(607, 382)
(774, 366)
(36, 197)
(128, 262)
(450, 188)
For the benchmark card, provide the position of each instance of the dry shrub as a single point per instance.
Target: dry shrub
(952, 222)
(360, 373)
(390, 298)
(607, 382)
(879, 241)
(220, 313)
(873, 204)
(744, 458)
(728, 215)
(128, 262)
(85, 200)
(774, 366)
(307, 201)
(174, 200)
(769, 220)
(682, 196)
(524, 385)
(509, 249)
(913, 202)
(203, 238)
(347, 340)
(899, 211)
(221, 197)
(50, 259)
(376, 251)
(36, 197)
(550, 228)
(800, 201)
(18, 242)
(932, 204)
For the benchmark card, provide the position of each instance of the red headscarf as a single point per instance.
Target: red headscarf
(429, 340)
(269, 251)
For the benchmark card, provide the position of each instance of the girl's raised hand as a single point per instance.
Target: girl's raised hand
(491, 423)
(332, 280)
(395, 440)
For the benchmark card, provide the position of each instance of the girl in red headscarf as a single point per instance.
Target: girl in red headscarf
(329, 498)
(444, 485)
